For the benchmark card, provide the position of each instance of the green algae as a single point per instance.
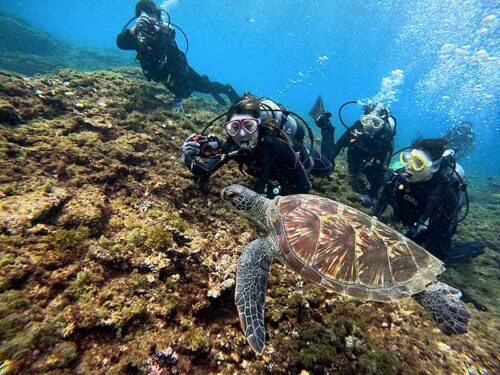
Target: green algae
(197, 340)
(320, 352)
(36, 335)
(383, 363)
(66, 239)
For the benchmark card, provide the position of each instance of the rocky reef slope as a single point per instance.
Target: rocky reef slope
(27, 50)
(113, 262)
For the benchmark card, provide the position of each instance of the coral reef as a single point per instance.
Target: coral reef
(113, 261)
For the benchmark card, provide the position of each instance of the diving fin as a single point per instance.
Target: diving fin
(318, 108)
(232, 94)
(218, 99)
(461, 253)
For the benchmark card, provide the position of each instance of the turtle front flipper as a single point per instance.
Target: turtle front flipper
(443, 303)
(250, 294)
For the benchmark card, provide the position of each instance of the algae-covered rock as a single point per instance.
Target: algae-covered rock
(87, 208)
(27, 50)
(23, 211)
(114, 261)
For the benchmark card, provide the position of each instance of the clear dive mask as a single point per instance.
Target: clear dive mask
(243, 130)
(371, 123)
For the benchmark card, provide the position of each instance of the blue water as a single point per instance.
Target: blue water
(294, 50)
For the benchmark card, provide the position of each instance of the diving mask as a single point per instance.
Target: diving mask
(235, 125)
(416, 160)
(243, 130)
(371, 123)
(419, 166)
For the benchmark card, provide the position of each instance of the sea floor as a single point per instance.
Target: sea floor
(113, 261)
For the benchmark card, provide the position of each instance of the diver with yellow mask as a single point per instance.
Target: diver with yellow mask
(428, 197)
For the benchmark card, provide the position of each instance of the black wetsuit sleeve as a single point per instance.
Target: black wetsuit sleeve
(442, 219)
(383, 147)
(176, 58)
(125, 40)
(385, 194)
(344, 140)
(204, 168)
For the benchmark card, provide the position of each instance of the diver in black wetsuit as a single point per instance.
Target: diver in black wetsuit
(369, 143)
(460, 138)
(425, 195)
(162, 61)
(265, 141)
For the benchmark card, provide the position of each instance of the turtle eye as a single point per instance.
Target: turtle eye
(229, 195)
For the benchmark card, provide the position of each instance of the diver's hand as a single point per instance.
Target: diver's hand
(143, 24)
(422, 228)
(190, 149)
(366, 201)
(324, 119)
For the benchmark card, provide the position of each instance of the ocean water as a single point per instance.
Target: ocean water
(435, 62)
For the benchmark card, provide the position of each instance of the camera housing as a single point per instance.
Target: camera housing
(210, 145)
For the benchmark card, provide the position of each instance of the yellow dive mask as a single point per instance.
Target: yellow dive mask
(414, 159)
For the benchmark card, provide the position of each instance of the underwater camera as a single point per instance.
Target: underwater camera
(209, 145)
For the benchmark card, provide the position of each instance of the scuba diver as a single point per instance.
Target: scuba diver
(369, 142)
(161, 59)
(460, 138)
(429, 198)
(267, 143)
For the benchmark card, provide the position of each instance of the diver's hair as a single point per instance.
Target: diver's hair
(149, 7)
(378, 108)
(247, 104)
(435, 147)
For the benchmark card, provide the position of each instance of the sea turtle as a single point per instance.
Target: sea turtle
(339, 248)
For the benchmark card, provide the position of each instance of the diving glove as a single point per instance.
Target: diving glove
(190, 149)
(366, 201)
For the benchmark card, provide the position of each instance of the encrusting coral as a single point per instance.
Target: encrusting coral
(113, 261)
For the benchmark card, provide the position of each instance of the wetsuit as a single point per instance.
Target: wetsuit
(431, 205)
(162, 61)
(324, 160)
(272, 160)
(320, 164)
(367, 153)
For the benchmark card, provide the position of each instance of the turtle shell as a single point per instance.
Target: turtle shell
(349, 252)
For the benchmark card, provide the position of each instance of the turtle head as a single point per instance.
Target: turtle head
(246, 202)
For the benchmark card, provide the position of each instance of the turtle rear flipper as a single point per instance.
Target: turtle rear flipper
(250, 294)
(443, 303)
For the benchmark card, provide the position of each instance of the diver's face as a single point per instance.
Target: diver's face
(419, 166)
(243, 130)
(371, 123)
